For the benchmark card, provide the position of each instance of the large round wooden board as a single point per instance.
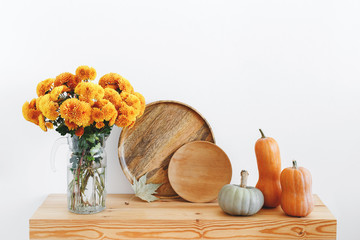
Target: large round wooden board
(198, 170)
(148, 146)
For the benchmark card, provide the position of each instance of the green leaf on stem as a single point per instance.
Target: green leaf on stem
(95, 149)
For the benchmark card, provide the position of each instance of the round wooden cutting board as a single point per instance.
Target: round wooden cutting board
(198, 170)
(148, 146)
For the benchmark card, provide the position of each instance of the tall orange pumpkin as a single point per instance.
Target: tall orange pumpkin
(296, 196)
(269, 166)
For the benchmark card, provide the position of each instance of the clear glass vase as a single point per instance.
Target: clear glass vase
(86, 173)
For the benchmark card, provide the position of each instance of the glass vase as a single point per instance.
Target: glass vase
(86, 173)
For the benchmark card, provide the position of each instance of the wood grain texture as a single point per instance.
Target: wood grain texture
(174, 219)
(148, 146)
(198, 170)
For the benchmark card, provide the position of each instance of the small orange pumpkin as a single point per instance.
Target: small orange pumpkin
(296, 196)
(269, 166)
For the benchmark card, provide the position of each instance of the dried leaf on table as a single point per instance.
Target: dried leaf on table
(143, 190)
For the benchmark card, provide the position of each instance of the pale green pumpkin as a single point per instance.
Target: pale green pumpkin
(240, 199)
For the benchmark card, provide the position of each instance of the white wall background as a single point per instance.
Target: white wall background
(289, 67)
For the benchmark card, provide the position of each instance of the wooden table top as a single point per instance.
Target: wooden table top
(174, 219)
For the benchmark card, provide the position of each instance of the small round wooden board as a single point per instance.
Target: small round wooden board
(198, 170)
(148, 146)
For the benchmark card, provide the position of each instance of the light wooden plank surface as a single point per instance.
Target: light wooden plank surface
(174, 219)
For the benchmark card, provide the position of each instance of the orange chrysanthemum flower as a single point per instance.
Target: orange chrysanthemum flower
(110, 113)
(71, 125)
(110, 80)
(76, 111)
(88, 92)
(79, 132)
(30, 113)
(142, 103)
(44, 86)
(101, 103)
(99, 125)
(92, 73)
(113, 96)
(55, 93)
(33, 103)
(97, 115)
(128, 112)
(67, 79)
(113, 119)
(132, 101)
(86, 73)
(126, 116)
(131, 114)
(42, 123)
(123, 121)
(125, 86)
(116, 82)
(48, 108)
(83, 72)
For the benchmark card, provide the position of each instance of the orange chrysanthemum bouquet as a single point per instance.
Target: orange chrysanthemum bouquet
(75, 105)
(86, 113)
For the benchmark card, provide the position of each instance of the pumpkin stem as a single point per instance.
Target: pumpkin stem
(244, 177)
(262, 134)
(294, 164)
